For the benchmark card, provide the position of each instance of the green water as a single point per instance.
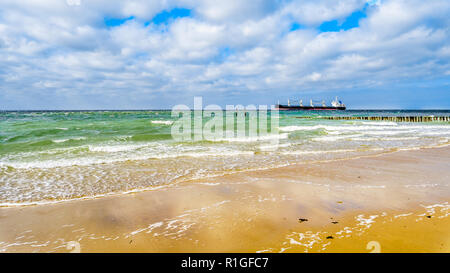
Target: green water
(51, 156)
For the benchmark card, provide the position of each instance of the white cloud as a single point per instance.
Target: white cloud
(50, 48)
(235, 10)
(312, 12)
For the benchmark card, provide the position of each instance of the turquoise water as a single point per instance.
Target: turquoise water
(53, 156)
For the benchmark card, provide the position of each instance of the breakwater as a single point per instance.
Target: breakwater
(388, 118)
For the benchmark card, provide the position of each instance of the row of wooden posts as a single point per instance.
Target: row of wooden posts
(391, 118)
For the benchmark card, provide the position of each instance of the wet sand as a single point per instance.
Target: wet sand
(398, 202)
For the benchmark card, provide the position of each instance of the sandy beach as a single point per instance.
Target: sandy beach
(398, 201)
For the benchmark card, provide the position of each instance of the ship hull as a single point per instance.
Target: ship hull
(308, 108)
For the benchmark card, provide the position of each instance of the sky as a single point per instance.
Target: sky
(136, 54)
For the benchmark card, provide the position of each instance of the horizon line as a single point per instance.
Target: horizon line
(168, 109)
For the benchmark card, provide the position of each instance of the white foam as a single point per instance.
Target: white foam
(165, 122)
(366, 222)
(253, 139)
(402, 215)
(386, 132)
(116, 148)
(329, 138)
(46, 202)
(442, 133)
(365, 127)
(48, 164)
(275, 146)
(383, 138)
(422, 186)
(205, 154)
(300, 128)
(318, 152)
(380, 123)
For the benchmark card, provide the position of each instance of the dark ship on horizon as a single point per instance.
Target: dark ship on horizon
(335, 105)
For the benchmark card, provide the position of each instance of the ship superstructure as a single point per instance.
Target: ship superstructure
(336, 104)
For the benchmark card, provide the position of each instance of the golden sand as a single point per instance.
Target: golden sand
(396, 202)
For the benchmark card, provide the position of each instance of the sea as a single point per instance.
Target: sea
(57, 156)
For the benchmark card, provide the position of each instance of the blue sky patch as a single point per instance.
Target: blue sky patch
(165, 16)
(225, 53)
(295, 26)
(350, 22)
(114, 22)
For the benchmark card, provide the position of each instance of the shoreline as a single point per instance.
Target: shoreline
(381, 152)
(250, 211)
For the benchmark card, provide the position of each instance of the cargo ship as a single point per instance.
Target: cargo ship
(335, 105)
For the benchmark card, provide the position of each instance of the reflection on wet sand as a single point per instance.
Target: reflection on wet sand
(398, 200)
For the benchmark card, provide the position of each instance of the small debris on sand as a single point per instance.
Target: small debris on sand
(335, 222)
(301, 220)
(428, 216)
(330, 237)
